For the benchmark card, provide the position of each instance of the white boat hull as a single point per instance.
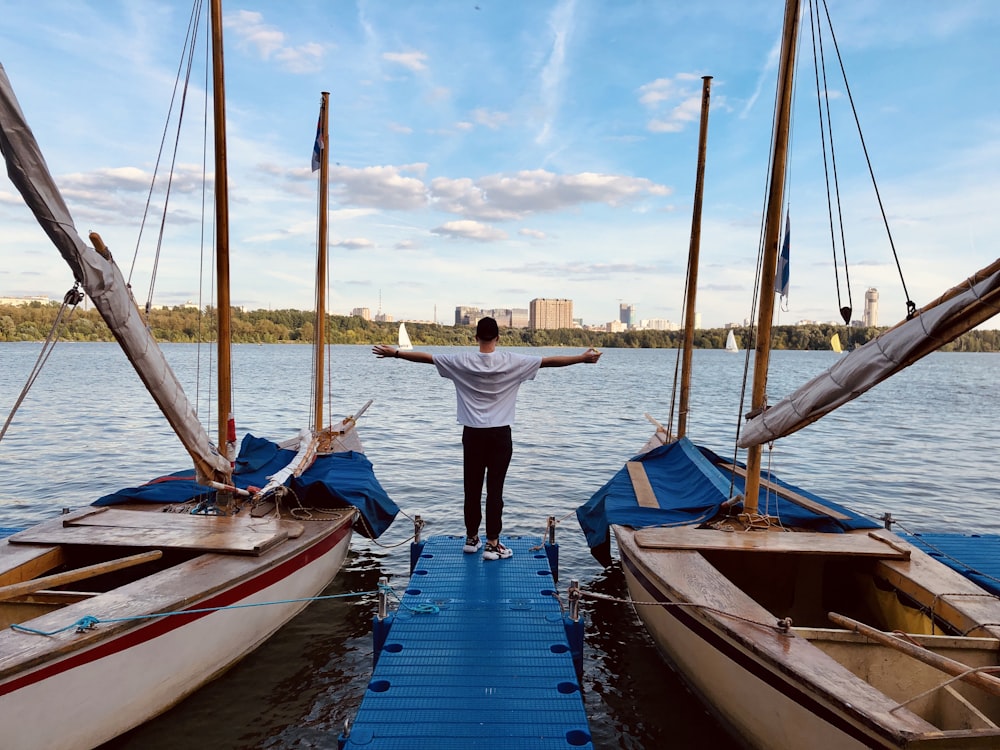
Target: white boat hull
(83, 698)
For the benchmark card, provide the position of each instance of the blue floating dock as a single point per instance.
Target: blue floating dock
(975, 556)
(477, 655)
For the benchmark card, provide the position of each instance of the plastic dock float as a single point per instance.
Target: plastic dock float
(478, 654)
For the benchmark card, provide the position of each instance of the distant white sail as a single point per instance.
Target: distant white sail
(960, 309)
(835, 343)
(404, 338)
(102, 281)
(731, 342)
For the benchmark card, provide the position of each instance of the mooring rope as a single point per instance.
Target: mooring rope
(782, 626)
(89, 622)
(420, 609)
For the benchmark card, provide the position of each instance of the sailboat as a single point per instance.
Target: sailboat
(798, 622)
(731, 342)
(114, 612)
(835, 344)
(404, 338)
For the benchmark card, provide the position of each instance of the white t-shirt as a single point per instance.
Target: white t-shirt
(486, 384)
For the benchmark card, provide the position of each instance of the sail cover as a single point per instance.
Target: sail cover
(336, 480)
(690, 484)
(102, 281)
(960, 309)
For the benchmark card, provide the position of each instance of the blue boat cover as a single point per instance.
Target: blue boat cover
(691, 485)
(337, 480)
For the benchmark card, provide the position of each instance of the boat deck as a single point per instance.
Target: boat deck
(975, 556)
(477, 653)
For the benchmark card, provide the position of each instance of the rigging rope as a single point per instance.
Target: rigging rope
(826, 131)
(71, 299)
(911, 308)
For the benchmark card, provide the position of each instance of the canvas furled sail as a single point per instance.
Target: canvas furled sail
(102, 281)
(960, 309)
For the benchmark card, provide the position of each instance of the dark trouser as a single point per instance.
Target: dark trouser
(486, 452)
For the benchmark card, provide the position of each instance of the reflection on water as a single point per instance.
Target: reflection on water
(920, 446)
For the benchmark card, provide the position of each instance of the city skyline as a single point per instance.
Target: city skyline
(517, 150)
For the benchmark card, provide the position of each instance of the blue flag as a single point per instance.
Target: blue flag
(781, 277)
(318, 144)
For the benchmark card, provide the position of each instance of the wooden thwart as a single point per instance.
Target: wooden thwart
(806, 542)
(136, 528)
(80, 574)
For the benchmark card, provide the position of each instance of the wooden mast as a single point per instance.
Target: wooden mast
(693, 253)
(772, 235)
(321, 260)
(223, 311)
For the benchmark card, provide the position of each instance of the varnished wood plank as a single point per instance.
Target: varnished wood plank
(808, 543)
(139, 519)
(142, 528)
(644, 494)
(235, 541)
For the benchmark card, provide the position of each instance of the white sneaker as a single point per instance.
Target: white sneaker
(472, 544)
(496, 551)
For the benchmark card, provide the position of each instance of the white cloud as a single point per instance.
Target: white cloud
(501, 197)
(470, 230)
(354, 243)
(270, 42)
(673, 102)
(415, 61)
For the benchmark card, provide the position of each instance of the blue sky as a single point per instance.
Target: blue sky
(485, 153)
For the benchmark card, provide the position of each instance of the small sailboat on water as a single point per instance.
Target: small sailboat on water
(731, 345)
(798, 621)
(835, 344)
(404, 338)
(114, 612)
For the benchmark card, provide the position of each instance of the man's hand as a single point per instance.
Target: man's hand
(591, 356)
(380, 350)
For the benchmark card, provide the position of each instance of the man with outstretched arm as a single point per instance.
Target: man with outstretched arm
(486, 384)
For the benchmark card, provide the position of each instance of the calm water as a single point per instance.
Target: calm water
(921, 446)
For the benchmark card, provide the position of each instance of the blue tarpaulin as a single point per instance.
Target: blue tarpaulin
(337, 480)
(690, 486)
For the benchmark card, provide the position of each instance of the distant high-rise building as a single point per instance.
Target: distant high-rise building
(626, 314)
(658, 324)
(550, 313)
(519, 317)
(506, 317)
(362, 312)
(467, 316)
(870, 317)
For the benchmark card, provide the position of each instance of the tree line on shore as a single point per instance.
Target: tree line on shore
(33, 322)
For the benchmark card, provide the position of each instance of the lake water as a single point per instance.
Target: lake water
(921, 447)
